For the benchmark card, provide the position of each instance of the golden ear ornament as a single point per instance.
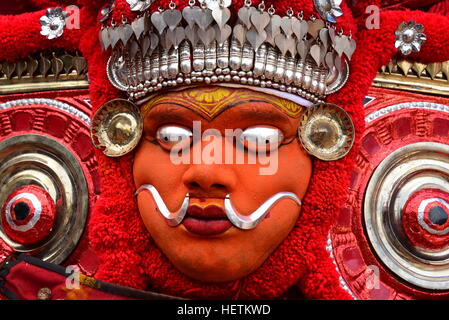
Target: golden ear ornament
(117, 127)
(326, 131)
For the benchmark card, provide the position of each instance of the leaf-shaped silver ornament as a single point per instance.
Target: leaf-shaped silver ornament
(172, 18)
(350, 48)
(189, 14)
(106, 42)
(206, 36)
(341, 41)
(145, 43)
(179, 36)
(300, 28)
(192, 34)
(286, 26)
(125, 33)
(221, 16)
(255, 38)
(315, 26)
(245, 16)
(281, 43)
(158, 21)
(203, 18)
(221, 35)
(273, 29)
(315, 53)
(138, 26)
(324, 37)
(240, 34)
(260, 20)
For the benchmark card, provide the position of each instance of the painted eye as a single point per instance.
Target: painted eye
(262, 139)
(170, 137)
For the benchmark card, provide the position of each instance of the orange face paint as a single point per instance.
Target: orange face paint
(223, 252)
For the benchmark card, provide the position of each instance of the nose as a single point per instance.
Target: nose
(212, 181)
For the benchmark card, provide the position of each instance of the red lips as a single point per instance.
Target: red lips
(208, 221)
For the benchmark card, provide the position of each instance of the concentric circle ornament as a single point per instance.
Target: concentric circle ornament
(408, 170)
(45, 197)
(391, 238)
(117, 127)
(326, 132)
(28, 215)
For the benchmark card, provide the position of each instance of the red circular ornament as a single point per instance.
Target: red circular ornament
(28, 215)
(426, 219)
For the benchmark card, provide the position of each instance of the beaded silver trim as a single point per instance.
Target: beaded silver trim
(170, 48)
(49, 102)
(407, 105)
(342, 281)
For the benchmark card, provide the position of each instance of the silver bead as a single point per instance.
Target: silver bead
(235, 57)
(223, 55)
(173, 63)
(163, 63)
(271, 61)
(307, 79)
(280, 68)
(299, 73)
(290, 70)
(260, 61)
(185, 62)
(147, 68)
(198, 58)
(247, 57)
(211, 56)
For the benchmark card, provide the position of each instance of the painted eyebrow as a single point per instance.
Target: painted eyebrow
(265, 115)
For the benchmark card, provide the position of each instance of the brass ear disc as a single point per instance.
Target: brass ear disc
(326, 132)
(117, 127)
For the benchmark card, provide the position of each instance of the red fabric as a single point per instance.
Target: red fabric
(129, 256)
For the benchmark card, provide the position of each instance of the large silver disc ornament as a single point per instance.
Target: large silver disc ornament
(391, 238)
(326, 131)
(117, 127)
(47, 177)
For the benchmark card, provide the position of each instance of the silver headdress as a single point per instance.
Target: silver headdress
(169, 48)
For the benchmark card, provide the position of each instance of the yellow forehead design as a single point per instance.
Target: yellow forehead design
(211, 101)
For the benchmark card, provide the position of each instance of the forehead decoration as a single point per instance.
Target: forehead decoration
(210, 102)
(288, 57)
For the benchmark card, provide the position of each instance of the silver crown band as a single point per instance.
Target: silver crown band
(172, 48)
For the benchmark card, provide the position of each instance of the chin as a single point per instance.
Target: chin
(214, 272)
(214, 262)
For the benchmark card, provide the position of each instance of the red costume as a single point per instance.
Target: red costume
(301, 266)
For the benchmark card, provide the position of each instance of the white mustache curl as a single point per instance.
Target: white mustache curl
(240, 221)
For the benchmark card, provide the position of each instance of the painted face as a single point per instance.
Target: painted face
(211, 143)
